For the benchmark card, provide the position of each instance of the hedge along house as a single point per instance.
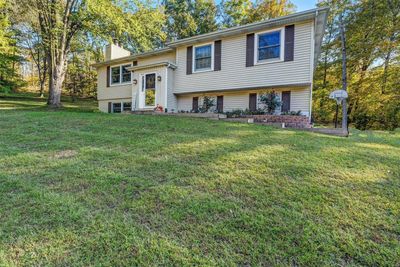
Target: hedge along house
(233, 65)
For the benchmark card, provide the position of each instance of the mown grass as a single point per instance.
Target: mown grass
(85, 188)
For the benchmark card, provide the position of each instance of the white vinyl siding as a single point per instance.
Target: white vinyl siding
(170, 57)
(171, 98)
(299, 99)
(160, 85)
(118, 91)
(113, 92)
(234, 73)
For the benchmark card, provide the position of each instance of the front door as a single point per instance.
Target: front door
(148, 91)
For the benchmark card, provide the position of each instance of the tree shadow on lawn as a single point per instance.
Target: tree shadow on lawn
(218, 193)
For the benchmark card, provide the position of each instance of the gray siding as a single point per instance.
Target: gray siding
(235, 74)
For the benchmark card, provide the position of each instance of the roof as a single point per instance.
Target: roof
(319, 14)
(135, 56)
(158, 64)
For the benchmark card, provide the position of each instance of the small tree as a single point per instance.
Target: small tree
(271, 102)
(208, 103)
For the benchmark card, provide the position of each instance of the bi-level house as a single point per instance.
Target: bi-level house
(233, 65)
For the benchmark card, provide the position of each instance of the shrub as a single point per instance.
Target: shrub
(271, 101)
(293, 113)
(208, 103)
(239, 112)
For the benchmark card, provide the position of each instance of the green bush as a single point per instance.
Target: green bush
(239, 112)
(5, 89)
(293, 113)
(271, 101)
(208, 103)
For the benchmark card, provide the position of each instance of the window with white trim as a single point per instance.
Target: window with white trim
(120, 74)
(203, 57)
(269, 46)
(118, 107)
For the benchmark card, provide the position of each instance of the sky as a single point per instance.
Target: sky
(304, 4)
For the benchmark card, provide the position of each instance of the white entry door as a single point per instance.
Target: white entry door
(147, 94)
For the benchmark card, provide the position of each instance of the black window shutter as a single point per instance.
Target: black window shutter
(253, 102)
(250, 50)
(285, 101)
(289, 42)
(220, 103)
(217, 55)
(189, 62)
(108, 76)
(195, 104)
(109, 107)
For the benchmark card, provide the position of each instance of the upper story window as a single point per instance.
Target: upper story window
(203, 57)
(120, 74)
(269, 46)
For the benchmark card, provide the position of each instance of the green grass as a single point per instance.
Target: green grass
(85, 188)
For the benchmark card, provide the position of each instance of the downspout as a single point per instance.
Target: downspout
(312, 63)
(166, 87)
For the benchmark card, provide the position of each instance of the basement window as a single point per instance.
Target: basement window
(116, 108)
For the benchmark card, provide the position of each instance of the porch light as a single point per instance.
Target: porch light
(159, 78)
(134, 81)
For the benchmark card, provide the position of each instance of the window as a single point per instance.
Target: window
(203, 57)
(116, 107)
(269, 46)
(126, 74)
(150, 90)
(127, 106)
(115, 75)
(120, 74)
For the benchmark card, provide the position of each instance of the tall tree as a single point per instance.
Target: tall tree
(4, 23)
(61, 21)
(186, 18)
(9, 56)
(268, 9)
(240, 12)
(372, 36)
(344, 72)
(236, 12)
(29, 39)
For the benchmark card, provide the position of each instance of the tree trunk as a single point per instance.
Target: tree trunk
(56, 80)
(385, 71)
(344, 74)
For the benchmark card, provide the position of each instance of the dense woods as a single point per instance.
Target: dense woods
(58, 40)
(372, 31)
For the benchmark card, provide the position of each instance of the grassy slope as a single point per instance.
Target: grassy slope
(80, 188)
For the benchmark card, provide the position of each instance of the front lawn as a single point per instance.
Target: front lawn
(85, 188)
